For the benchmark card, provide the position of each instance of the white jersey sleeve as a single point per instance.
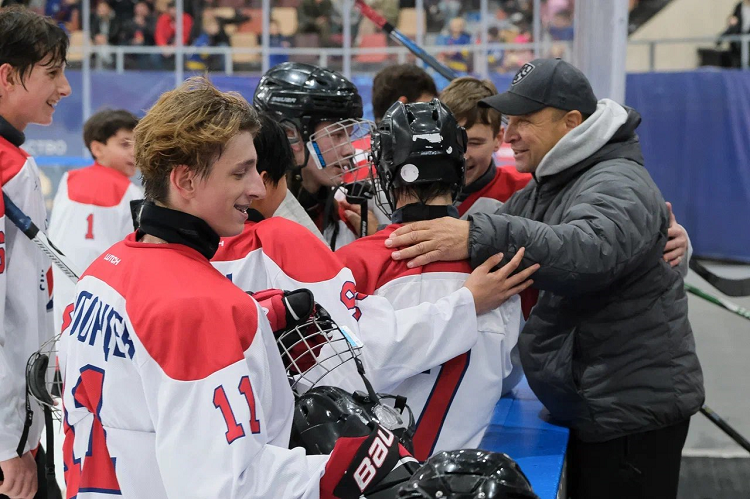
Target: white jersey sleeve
(25, 298)
(452, 398)
(91, 212)
(174, 387)
(279, 254)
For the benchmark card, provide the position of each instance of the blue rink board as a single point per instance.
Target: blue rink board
(517, 429)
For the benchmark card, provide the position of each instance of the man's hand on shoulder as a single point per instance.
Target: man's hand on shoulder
(444, 239)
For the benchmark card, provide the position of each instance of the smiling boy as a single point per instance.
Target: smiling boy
(92, 205)
(32, 82)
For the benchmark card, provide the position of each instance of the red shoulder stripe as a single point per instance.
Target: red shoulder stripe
(192, 320)
(371, 263)
(97, 185)
(300, 254)
(507, 180)
(12, 160)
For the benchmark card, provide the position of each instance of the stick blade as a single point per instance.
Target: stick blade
(730, 287)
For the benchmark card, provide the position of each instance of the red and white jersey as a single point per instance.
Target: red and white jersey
(506, 181)
(278, 253)
(91, 213)
(173, 385)
(25, 297)
(452, 400)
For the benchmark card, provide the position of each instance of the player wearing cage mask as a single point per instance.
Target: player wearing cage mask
(321, 112)
(418, 154)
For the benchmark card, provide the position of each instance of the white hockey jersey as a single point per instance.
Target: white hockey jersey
(25, 297)
(452, 400)
(277, 253)
(91, 213)
(173, 386)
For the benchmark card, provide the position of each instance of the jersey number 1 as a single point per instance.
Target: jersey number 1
(221, 402)
(90, 225)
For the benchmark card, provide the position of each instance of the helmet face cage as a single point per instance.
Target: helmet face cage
(343, 148)
(43, 381)
(312, 350)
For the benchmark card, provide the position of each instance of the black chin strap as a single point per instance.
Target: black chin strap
(178, 227)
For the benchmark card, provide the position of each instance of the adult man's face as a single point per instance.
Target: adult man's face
(531, 136)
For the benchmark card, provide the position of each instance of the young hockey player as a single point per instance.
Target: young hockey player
(32, 82)
(278, 160)
(322, 114)
(173, 383)
(92, 205)
(418, 151)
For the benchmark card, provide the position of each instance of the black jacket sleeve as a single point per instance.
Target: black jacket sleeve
(612, 219)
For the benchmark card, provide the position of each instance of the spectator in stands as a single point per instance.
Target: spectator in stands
(67, 13)
(457, 35)
(212, 34)
(738, 24)
(124, 9)
(561, 26)
(139, 32)
(276, 40)
(166, 33)
(166, 30)
(105, 30)
(400, 82)
(608, 348)
(314, 16)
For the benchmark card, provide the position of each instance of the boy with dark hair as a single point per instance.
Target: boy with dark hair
(275, 159)
(91, 211)
(32, 82)
(454, 398)
(400, 82)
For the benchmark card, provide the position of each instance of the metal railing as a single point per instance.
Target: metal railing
(712, 40)
(324, 55)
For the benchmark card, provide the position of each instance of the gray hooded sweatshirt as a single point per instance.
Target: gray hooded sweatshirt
(608, 349)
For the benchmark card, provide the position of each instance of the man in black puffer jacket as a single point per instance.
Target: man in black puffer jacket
(608, 348)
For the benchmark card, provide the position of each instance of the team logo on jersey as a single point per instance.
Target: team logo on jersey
(523, 73)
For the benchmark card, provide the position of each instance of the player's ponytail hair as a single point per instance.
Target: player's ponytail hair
(188, 126)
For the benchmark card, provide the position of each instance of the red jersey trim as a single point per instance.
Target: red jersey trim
(296, 250)
(97, 185)
(12, 161)
(436, 408)
(372, 266)
(190, 319)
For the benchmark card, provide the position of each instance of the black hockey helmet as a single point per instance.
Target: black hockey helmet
(325, 413)
(304, 95)
(468, 473)
(418, 143)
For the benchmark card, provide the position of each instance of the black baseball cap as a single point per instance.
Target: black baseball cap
(545, 83)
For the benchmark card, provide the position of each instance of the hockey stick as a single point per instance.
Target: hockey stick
(725, 427)
(404, 40)
(24, 223)
(742, 312)
(730, 287)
